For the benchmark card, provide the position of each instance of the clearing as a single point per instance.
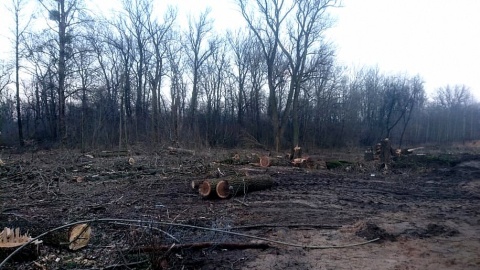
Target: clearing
(425, 211)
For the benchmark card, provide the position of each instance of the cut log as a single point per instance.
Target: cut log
(240, 159)
(207, 188)
(173, 151)
(266, 161)
(223, 189)
(235, 185)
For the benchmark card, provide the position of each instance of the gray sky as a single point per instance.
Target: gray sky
(437, 39)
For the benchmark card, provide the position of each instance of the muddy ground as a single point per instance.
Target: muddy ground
(424, 212)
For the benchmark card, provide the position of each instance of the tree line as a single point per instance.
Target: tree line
(89, 79)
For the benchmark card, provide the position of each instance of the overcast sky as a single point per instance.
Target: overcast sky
(437, 39)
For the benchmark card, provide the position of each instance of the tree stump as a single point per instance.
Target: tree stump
(296, 153)
(74, 238)
(386, 152)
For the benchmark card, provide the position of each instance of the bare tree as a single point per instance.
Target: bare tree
(455, 97)
(214, 74)
(415, 99)
(453, 104)
(198, 52)
(267, 31)
(22, 23)
(178, 87)
(159, 34)
(139, 14)
(304, 37)
(66, 15)
(241, 46)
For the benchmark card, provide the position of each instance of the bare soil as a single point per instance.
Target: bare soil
(424, 211)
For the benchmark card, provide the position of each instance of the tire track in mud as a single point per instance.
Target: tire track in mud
(307, 197)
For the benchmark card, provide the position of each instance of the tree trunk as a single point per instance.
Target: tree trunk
(62, 25)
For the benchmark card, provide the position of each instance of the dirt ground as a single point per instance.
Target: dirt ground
(425, 211)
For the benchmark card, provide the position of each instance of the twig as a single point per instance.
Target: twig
(115, 266)
(243, 203)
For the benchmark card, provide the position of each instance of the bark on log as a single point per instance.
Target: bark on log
(266, 161)
(235, 185)
(240, 159)
(116, 153)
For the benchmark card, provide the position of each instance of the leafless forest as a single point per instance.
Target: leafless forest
(88, 78)
(109, 119)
